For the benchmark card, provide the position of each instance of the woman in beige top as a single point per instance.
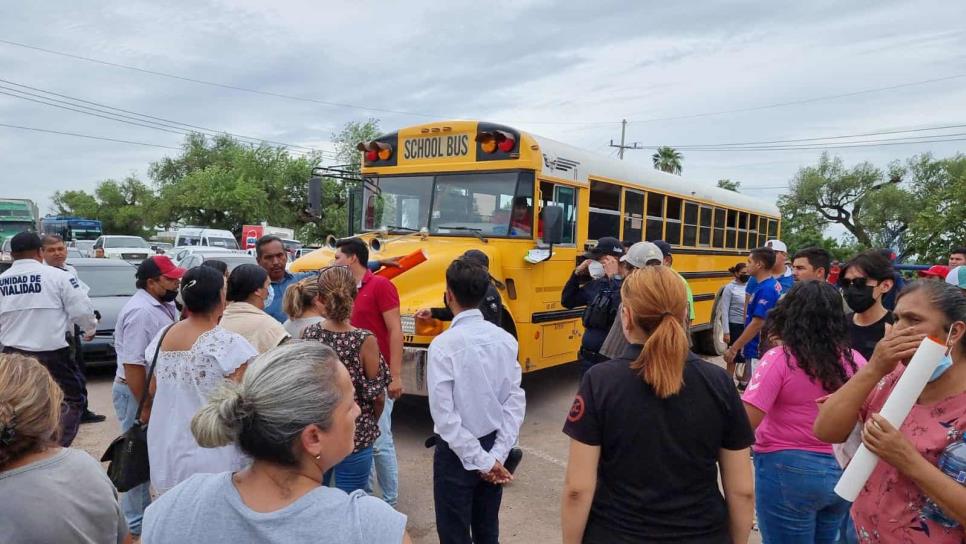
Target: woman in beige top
(249, 292)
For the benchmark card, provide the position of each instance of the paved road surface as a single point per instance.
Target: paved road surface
(531, 504)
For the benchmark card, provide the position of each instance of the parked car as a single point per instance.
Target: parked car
(161, 248)
(179, 254)
(86, 247)
(111, 283)
(193, 236)
(231, 259)
(132, 249)
(74, 253)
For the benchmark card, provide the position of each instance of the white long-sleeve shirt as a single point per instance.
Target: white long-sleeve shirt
(731, 306)
(474, 389)
(37, 303)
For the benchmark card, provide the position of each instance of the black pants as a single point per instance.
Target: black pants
(78, 354)
(465, 504)
(65, 372)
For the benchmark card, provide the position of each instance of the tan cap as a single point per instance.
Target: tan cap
(641, 253)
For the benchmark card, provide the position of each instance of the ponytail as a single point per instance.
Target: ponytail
(299, 296)
(657, 301)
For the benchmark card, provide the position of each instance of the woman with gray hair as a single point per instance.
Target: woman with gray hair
(294, 414)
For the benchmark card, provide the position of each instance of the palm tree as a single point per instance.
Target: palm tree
(667, 159)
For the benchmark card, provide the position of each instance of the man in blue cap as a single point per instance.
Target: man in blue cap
(596, 284)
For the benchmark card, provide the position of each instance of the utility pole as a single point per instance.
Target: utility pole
(622, 147)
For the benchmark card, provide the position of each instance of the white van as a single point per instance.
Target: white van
(205, 237)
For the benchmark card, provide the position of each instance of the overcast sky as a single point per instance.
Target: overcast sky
(566, 70)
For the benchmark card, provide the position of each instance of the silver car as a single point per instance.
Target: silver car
(111, 283)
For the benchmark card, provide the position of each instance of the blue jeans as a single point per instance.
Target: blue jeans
(794, 497)
(351, 473)
(136, 499)
(384, 459)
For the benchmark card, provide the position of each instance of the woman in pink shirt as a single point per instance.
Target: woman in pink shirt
(795, 472)
(889, 509)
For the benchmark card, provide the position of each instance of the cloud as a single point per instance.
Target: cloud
(540, 65)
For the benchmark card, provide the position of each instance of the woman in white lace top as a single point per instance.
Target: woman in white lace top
(196, 356)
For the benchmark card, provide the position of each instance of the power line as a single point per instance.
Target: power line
(802, 101)
(88, 136)
(816, 147)
(905, 139)
(141, 119)
(622, 147)
(216, 84)
(436, 116)
(877, 133)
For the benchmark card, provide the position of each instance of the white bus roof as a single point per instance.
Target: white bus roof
(564, 161)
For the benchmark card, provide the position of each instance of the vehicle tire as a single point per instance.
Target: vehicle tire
(711, 341)
(703, 342)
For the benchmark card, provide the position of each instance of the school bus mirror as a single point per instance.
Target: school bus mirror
(315, 196)
(552, 224)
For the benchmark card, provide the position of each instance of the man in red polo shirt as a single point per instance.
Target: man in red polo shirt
(376, 309)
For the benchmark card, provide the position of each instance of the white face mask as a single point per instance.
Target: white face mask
(595, 269)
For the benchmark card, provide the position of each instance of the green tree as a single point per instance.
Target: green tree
(939, 189)
(336, 191)
(123, 207)
(871, 206)
(807, 229)
(729, 185)
(222, 183)
(667, 159)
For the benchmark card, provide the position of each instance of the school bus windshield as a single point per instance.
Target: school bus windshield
(497, 204)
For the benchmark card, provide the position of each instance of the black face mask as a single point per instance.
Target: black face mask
(743, 278)
(859, 298)
(169, 295)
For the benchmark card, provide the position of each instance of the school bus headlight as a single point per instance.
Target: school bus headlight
(428, 327)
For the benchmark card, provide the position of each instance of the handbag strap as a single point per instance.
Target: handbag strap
(147, 381)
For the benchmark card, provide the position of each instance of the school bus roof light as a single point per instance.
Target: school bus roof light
(375, 151)
(500, 140)
(487, 142)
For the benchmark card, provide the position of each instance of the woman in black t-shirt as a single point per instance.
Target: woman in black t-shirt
(650, 431)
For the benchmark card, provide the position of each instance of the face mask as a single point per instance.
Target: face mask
(595, 269)
(946, 362)
(169, 295)
(858, 298)
(271, 296)
(743, 278)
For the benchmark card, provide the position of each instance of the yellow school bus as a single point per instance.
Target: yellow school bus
(447, 187)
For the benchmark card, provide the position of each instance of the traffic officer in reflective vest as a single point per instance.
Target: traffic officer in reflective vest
(37, 302)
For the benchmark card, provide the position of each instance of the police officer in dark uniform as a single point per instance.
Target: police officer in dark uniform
(596, 284)
(491, 306)
(37, 305)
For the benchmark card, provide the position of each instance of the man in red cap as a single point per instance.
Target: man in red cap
(149, 310)
(935, 272)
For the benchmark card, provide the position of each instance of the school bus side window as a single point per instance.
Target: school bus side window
(719, 226)
(672, 234)
(605, 210)
(566, 198)
(655, 217)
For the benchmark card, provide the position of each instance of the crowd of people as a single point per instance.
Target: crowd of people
(268, 399)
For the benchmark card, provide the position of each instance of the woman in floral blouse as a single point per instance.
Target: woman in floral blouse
(359, 352)
(889, 509)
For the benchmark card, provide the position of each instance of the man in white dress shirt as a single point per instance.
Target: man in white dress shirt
(477, 407)
(37, 303)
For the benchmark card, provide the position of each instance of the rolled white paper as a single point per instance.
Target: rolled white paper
(896, 408)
